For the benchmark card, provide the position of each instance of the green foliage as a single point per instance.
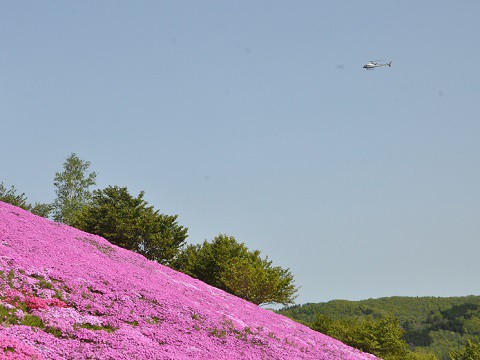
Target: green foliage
(412, 310)
(324, 324)
(422, 354)
(8, 317)
(41, 209)
(33, 321)
(472, 325)
(72, 189)
(456, 317)
(54, 331)
(10, 277)
(107, 328)
(430, 324)
(229, 265)
(208, 261)
(128, 222)
(381, 337)
(471, 351)
(256, 280)
(443, 341)
(12, 197)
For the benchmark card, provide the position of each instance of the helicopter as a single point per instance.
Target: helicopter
(373, 64)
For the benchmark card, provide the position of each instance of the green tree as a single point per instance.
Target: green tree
(72, 189)
(12, 197)
(230, 266)
(381, 337)
(324, 324)
(256, 280)
(41, 209)
(129, 222)
(471, 351)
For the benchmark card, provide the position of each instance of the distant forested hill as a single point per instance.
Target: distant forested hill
(432, 323)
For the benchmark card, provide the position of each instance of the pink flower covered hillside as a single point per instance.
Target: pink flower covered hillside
(67, 294)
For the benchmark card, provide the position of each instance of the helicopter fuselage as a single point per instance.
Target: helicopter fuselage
(372, 65)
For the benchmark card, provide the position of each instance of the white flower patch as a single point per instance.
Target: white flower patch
(19, 314)
(67, 318)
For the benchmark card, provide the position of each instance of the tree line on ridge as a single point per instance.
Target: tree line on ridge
(429, 327)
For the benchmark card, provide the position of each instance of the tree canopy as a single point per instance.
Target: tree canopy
(129, 222)
(471, 351)
(432, 325)
(72, 187)
(229, 265)
(381, 337)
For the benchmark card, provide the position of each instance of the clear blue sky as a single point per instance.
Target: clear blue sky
(256, 119)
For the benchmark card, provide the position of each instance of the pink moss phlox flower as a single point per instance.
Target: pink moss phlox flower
(14, 349)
